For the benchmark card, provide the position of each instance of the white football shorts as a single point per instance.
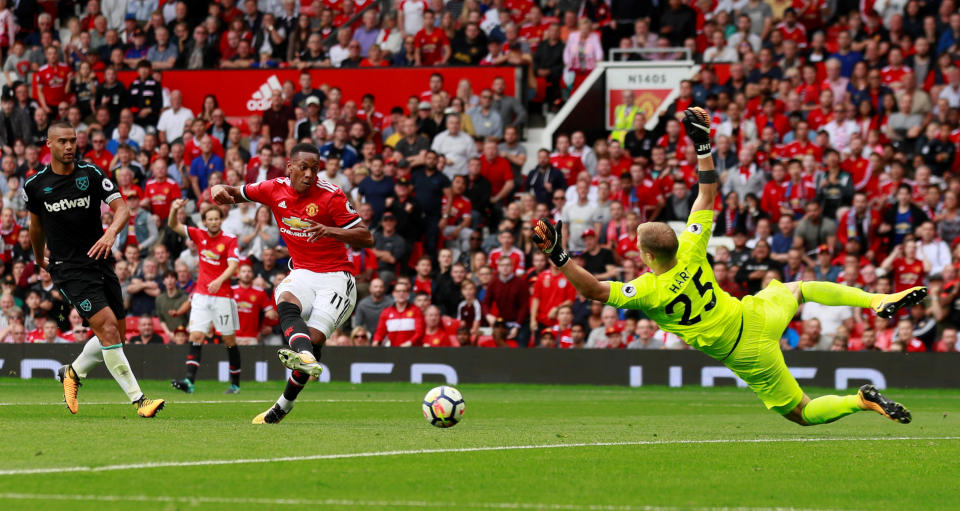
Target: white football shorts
(326, 299)
(219, 312)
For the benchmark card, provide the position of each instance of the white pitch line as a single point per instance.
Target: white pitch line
(217, 402)
(375, 454)
(374, 503)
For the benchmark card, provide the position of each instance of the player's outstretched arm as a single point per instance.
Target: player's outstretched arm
(548, 238)
(696, 121)
(223, 194)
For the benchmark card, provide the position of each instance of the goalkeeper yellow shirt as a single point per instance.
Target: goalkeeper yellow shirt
(686, 300)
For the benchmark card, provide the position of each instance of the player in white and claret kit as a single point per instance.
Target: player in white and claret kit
(317, 222)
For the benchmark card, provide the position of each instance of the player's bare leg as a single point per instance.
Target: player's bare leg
(110, 332)
(826, 409)
(301, 358)
(233, 355)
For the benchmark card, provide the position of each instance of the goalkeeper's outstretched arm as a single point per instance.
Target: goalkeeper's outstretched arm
(549, 238)
(696, 121)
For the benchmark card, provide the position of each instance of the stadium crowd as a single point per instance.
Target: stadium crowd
(836, 128)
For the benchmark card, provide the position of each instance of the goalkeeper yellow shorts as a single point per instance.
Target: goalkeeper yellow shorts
(758, 359)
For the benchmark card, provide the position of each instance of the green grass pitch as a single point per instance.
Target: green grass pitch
(367, 446)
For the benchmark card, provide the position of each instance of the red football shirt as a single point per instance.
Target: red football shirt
(400, 327)
(53, 79)
(324, 203)
(161, 195)
(362, 259)
(101, 159)
(461, 206)
(907, 275)
(552, 290)
(564, 337)
(498, 172)
(431, 46)
(215, 252)
(570, 165)
(9, 240)
(533, 34)
(438, 339)
(515, 253)
(251, 301)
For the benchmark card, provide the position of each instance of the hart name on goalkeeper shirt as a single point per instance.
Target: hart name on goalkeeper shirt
(686, 300)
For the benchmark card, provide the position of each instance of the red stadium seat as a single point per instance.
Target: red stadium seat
(131, 322)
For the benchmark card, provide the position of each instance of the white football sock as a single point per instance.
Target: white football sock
(285, 403)
(88, 358)
(119, 367)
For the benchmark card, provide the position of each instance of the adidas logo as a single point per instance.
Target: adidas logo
(282, 204)
(260, 100)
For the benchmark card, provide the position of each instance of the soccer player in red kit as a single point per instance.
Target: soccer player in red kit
(212, 303)
(316, 222)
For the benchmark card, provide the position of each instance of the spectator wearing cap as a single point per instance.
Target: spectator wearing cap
(14, 122)
(305, 127)
(136, 50)
(597, 260)
(455, 145)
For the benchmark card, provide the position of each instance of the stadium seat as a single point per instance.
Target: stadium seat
(131, 322)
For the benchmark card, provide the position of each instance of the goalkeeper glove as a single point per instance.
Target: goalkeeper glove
(696, 122)
(549, 239)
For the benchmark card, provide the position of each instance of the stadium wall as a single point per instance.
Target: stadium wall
(242, 92)
(477, 365)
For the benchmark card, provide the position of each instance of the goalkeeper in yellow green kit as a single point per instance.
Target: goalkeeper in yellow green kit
(683, 297)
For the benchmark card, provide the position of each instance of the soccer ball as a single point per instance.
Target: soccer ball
(443, 406)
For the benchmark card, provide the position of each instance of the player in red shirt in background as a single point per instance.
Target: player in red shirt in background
(161, 191)
(317, 222)
(401, 324)
(908, 265)
(211, 305)
(551, 291)
(432, 45)
(50, 81)
(254, 308)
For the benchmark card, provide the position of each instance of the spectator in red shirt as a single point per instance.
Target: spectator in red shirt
(401, 324)
(161, 191)
(497, 170)
(434, 336)
(422, 282)
(433, 47)
(51, 80)
(909, 266)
